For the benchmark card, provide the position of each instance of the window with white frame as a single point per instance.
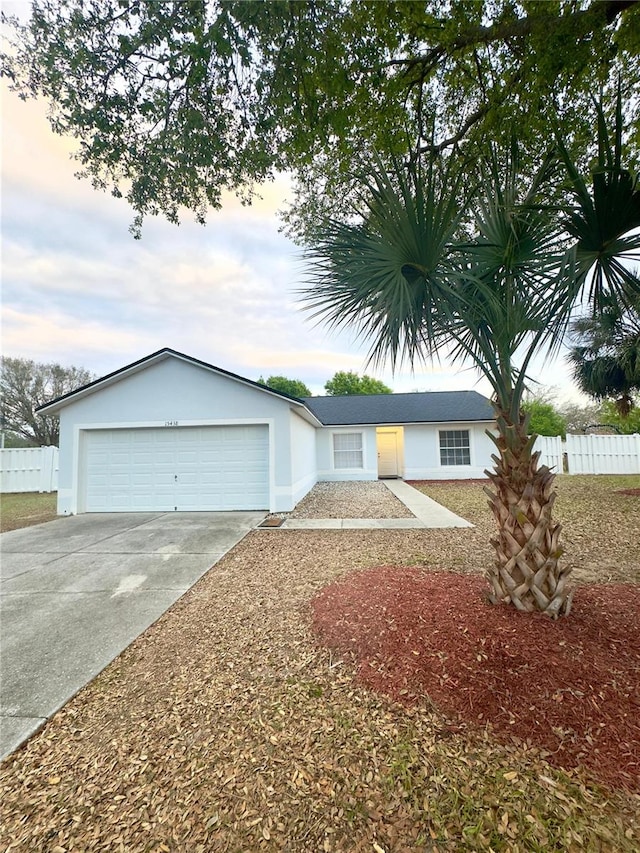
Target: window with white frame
(454, 447)
(347, 450)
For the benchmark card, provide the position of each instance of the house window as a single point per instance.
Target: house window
(454, 447)
(347, 450)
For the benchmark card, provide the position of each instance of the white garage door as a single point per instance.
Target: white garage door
(176, 468)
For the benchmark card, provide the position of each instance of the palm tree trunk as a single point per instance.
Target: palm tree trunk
(526, 572)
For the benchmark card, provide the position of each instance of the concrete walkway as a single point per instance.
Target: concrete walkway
(428, 513)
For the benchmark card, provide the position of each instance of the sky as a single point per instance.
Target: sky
(77, 289)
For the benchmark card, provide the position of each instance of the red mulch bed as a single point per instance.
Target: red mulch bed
(633, 492)
(570, 687)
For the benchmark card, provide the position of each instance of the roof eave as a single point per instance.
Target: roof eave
(411, 423)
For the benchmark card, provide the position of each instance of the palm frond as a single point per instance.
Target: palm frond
(403, 281)
(606, 353)
(603, 221)
(390, 276)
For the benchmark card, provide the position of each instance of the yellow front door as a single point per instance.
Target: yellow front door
(387, 454)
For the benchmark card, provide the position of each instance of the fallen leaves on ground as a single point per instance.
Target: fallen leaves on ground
(599, 525)
(225, 719)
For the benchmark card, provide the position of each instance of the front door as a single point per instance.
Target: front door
(387, 454)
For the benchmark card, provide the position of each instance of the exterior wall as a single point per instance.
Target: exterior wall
(303, 463)
(173, 393)
(422, 452)
(326, 470)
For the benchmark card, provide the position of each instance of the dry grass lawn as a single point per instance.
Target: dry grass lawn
(25, 509)
(226, 728)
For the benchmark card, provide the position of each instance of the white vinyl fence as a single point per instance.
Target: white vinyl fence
(29, 469)
(591, 454)
(551, 451)
(603, 454)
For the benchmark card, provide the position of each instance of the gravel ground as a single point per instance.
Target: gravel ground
(370, 499)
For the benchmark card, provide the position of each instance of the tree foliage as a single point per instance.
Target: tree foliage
(579, 418)
(606, 352)
(625, 424)
(594, 417)
(348, 383)
(12, 440)
(292, 387)
(544, 418)
(175, 102)
(25, 386)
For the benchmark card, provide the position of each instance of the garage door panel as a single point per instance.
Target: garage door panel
(186, 458)
(121, 481)
(189, 469)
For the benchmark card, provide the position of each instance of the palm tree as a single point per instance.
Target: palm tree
(606, 353)
(405, 280)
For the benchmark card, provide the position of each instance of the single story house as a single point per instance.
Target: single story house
(170, 432)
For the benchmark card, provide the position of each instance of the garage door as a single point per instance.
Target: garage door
(184, 469)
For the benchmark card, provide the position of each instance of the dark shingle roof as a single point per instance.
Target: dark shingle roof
(426, 407)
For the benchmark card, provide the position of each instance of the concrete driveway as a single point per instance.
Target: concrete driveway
(76, 591)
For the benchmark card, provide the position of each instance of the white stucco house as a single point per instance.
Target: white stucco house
(170, 432)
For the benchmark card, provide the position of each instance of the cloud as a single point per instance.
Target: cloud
(59, 337)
